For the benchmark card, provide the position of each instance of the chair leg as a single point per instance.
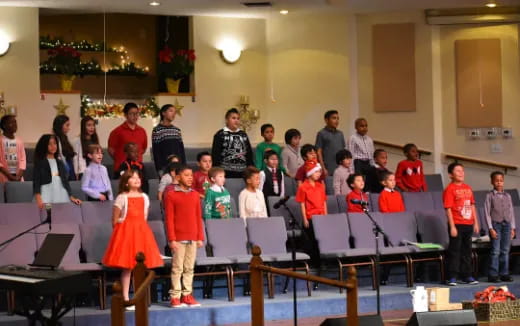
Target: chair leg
(408, 266)
(102, 291)
(270, 285)
(340, 274)
(441, 265)
(286, 284)
(231, 284)
(307, 272)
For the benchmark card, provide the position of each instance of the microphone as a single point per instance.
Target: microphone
(359, 202)
(281, 202)
(49, 218)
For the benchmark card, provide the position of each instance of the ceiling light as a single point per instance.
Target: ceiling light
(284, 11)
(491, 4)
(154, 3)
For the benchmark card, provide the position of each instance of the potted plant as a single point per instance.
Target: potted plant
(66, 62)
(174, 66)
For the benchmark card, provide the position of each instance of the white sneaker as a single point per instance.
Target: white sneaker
(130, 308)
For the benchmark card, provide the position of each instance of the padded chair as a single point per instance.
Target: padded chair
(290, 186)
(29, 172)
(480, 197)
(329, 185)
(2, 194)
(234, 186)
(270, 235)
(438, 202)
(96, 212)
(149, 170)
(234, 207)
(516, 241)
(115, 186)
(418, 201)
(332, 235)
(332, 205)
(294, 208)
(515, 198)
(155, 212)
(153, 188)
(434, 182)
(159, 234)
(75, 187)
(19, 192)
(23, 214)
(342, 203)
(374, 202)
(64, 213)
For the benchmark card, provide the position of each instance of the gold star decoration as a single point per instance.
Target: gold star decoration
(61, 108)
(178, 107)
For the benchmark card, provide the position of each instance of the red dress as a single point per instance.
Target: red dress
(131, 236)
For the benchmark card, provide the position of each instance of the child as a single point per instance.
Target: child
(217, 202)
(95, 181)
(344, 169)
(171, 170)
(166, 139)
(131, 233)
(329, 141)
(267, 131)
(50, 179)
(132, 163)
(390, 200)
(251, 201)
(271, 177)
(168, 176)
(460, 209)
(88, 136)
(313, 201)
(291, 156)
(185, 233)
(308, 152)
(362, 147)
(500, 218)
(375, 173)
(12, 151)
(410, 172)
(231, 148)
(60, 128)
(201, 181)
(356, 182)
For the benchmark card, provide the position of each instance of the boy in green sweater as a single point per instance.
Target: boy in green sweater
(217, 203)
(267, 131)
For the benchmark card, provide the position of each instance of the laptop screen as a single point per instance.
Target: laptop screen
(52, 250)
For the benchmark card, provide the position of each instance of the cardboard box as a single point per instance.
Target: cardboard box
(445, 306)
(438, 296)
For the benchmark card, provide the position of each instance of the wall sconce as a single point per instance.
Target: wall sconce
(248, 116)
(4, 44)
(230, 51)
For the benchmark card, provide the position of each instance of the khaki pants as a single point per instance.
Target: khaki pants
(183, 264)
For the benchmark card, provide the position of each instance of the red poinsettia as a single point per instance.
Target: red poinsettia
(65, 59)
(176, 64)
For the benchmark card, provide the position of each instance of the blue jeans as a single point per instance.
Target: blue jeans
(500, 249)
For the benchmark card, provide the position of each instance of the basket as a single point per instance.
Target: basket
(497, 311)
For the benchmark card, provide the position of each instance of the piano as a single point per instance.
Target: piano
(37, 289)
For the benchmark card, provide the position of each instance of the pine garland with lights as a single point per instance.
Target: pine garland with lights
(98, 110)
(47, 42)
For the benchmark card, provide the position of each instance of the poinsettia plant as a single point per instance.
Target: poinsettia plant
(66, 60)
(176, 64)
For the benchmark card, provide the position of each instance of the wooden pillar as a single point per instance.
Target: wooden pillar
(117, 315)
(141, 306)
(257, 288)
(352, 298)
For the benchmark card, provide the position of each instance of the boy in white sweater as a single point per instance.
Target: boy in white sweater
(251, 201)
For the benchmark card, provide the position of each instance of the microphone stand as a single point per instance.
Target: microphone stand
(292, 223)
(24, 232)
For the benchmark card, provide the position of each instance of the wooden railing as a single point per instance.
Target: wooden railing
(499, 165)
(142, 280)
(400, 147)
(257, 268)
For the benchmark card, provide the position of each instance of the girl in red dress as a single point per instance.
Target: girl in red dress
(131, 232)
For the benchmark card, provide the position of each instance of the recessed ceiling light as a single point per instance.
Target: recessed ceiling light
(284, 11)
(491, 4)
(155, 3)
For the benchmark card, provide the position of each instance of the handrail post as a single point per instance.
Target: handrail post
(352, 298)
(117, 315)
(257, 288)
(141, 306)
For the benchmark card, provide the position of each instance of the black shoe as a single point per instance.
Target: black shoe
(383, 282)
(506, 278)
(493, 279)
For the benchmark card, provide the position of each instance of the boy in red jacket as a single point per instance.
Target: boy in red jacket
(356, 182)
(185, 234)
(390, 200)
(410, 172)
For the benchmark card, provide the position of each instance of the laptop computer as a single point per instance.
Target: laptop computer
(52, 250)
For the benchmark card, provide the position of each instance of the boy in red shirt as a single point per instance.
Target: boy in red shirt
(185, 234)
(356, 182)
(390, 200)
(311, 195)
(201, 181)
(460, 209)
(309, 153)
(410, 172)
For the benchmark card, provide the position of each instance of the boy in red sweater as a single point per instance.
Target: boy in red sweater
(460, 209)
(356, 182)
(410, 172)
(201, 181)
(185, 234)
(390, 200)
(311, 195)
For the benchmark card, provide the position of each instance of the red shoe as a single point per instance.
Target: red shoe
(190, 301)
(176, 303)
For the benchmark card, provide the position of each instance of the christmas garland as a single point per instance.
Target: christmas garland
(47, 42)
(99, 110)
(93, 67)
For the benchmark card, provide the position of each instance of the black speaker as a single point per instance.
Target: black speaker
(372, 320)
(443, 318)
